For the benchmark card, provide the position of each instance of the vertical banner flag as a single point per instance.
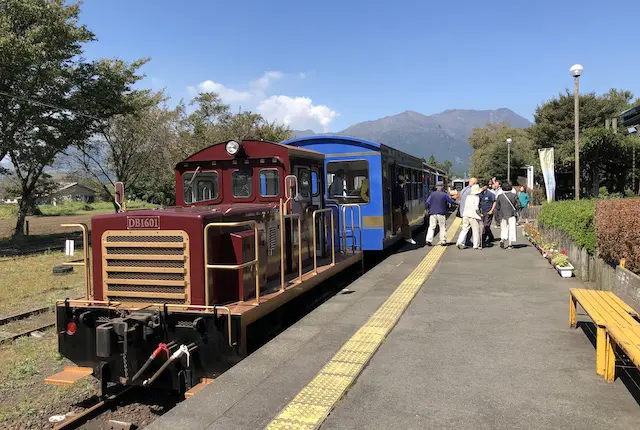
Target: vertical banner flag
(547, 165)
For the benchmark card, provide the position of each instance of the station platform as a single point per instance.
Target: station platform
(484, 342)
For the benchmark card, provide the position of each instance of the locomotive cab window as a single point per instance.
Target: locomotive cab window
(269, 183)
(241, 183)
(304, 182)
(200, 186)
(348, 181)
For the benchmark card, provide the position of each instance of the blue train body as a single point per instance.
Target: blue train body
(364, 173)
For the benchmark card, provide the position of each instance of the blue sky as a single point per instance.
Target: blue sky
(329, 64)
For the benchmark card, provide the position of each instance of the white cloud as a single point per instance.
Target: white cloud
(265, 80)
(226, 94)
(297, 112)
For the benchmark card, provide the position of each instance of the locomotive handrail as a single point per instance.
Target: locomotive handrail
(288, 184)
(294, 216)
(254, 262)
(333, 240)
(353, 226)
(85, 257)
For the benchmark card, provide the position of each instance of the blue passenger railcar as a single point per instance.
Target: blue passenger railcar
(364, 173)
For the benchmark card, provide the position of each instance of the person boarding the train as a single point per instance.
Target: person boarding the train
(437, 204)
(400, 211)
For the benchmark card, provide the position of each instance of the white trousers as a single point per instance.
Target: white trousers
(472, 224)
(440, 221)
(508, 229)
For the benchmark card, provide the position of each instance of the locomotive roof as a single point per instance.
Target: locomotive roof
(215, 154)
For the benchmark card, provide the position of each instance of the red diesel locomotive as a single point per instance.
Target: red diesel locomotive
(171, 292)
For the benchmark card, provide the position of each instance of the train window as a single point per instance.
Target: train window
(304, 181)
(269, 182)
(315, 189)
(348, 181)
(241, 183)
(201, 187)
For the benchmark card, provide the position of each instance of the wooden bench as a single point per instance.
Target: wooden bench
(615, 324)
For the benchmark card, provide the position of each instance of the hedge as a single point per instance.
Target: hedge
(573, 218)
(617, 225)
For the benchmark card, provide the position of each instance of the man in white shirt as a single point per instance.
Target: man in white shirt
(462, 239)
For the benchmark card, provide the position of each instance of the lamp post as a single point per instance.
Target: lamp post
(509, 140)
(576, 70)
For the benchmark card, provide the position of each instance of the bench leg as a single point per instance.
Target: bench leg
(572, 311)
(610, 373)
(601, 351)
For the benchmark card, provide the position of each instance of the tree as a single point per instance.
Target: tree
(52, 98)
(554, 127)
(554, 119)
(489, 158)
(432, 161)
(211, 122)
(123, 149)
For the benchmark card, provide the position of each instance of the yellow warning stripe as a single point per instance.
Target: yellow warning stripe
(311, 406)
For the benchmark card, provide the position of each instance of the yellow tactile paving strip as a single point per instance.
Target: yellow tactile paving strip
(311, 406)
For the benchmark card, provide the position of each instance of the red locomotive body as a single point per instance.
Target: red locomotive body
(249, 233)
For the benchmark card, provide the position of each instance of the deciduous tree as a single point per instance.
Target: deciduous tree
(51, 98)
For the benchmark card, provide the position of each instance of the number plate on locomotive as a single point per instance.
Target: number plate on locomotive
(143, 223)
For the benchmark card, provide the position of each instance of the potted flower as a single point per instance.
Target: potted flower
(562, 264)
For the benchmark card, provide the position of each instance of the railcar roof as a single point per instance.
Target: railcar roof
(329, 137)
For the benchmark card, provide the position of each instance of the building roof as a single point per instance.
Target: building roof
(631, 117)
(71, 185)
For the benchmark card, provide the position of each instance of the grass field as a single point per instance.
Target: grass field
(27, 282)
(25, 402)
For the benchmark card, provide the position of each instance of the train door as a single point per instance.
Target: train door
(388, 182)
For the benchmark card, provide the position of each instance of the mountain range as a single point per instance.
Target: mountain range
(443, 135)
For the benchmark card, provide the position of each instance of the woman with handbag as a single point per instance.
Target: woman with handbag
(507, 206)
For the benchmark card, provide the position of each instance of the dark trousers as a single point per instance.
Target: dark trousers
(486, 231)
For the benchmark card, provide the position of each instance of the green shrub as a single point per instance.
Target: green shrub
(617, 224)
(573, 218)
(561, 260)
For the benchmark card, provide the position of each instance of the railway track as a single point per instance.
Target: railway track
(25, 323)
(76, 420)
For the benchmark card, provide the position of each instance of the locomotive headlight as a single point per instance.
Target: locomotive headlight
(232, 147)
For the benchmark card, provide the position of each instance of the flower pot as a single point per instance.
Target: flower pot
(565, 271)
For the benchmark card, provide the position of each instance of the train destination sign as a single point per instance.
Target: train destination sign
(143, 223)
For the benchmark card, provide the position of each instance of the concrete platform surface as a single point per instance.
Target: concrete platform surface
(486, 344)
(250, 395)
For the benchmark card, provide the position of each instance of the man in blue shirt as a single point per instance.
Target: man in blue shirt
(437, 205)
(488, 205)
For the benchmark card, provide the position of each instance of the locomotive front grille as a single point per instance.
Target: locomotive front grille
(146, 266)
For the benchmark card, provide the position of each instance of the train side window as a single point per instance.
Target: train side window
(315, 189)
(269, 182)
(241, 183)
(201, 187)
(348, 181)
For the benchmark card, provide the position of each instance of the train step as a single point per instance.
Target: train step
(69, 376)
(198, 387)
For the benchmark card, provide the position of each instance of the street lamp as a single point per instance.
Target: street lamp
(509, 159)
(576, 70)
